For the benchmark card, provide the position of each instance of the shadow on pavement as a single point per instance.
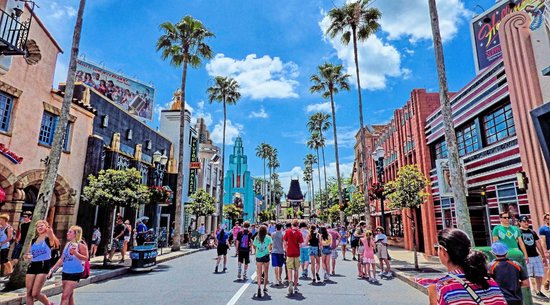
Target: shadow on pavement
(296, 296)
(263, 298)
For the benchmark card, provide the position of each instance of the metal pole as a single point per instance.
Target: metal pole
(380, 169)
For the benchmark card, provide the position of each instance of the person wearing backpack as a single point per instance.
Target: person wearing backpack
(243, 243)
(222, 239)
(6, 235)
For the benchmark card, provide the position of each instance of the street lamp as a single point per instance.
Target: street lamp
(159, 161)
(378, 157)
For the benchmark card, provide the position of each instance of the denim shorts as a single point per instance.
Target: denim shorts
(277, 259)
(314, 251)
(326, 250)
(304, 255)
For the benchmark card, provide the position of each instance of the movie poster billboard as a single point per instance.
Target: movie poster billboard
(485, 28)
(135, 97)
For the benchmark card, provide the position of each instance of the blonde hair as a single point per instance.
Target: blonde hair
(78, 232)
(5, 216)
(53, 242)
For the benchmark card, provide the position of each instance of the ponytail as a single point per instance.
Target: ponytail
(475, 268)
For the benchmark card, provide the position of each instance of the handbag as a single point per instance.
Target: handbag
(469, 289)
(86, 272)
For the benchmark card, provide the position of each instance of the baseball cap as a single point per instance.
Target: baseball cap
(499, 249)
(524, 218)
(27, 213)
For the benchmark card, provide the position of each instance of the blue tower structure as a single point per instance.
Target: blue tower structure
(238, 184)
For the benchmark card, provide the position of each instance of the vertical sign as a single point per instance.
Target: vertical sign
(485, 27)
(193, 171)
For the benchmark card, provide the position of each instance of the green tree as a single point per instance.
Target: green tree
(278, 190)
(225, 91)
(273, 164)
(315, 142)
(334, 212)
(232, 212)
(202, 204)
(356, 204)
(45, 193)
(408, 191)
(183, 43)
(329, 81)
(356, 21)
(263, 150)
(457, 172)
(309, 160)
(319, 122)
(116, 189)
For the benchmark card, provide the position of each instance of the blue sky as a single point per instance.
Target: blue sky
(272, 48)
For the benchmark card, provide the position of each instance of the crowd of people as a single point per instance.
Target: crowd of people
(301, 246)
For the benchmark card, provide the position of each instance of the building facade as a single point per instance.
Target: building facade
(238, 184)
(29, 111)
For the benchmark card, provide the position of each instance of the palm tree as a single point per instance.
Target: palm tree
(309, 160)
(273, 163)
(330, 81)
(455, 167)
(226, 91)
(356, 21)
(314, 142)
(262, 151)
(183, 43)
(17, 279)
(319, 122)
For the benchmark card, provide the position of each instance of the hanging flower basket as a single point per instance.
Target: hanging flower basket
(375, 191)
(161, 194)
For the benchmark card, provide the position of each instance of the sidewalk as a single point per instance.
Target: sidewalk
(53, 286)
(402, 265)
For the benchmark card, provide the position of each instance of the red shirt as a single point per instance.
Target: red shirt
(293, 238)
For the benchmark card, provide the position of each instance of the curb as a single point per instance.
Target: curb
(50, 290)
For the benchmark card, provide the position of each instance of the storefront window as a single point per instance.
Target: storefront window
(499, 124)
(508, 199)
(467, 139)
(396, 229)
(6, 103)
(441, 150)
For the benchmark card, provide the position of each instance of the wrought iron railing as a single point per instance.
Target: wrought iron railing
(13, 34)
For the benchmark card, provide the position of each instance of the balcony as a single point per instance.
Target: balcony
(13, 34)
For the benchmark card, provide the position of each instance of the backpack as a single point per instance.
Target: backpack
(244, 242)
(86, 272)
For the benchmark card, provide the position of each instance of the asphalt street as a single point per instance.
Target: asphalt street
(191, 280)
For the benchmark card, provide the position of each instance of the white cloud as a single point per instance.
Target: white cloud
(259, 78)
(411, 18)
(232, 130)
(58, 11)
(200, 113)
(260, 114)
(377, 60)
(346, 137)
(321, 107)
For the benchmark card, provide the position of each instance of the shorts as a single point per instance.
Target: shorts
(96, 242)
(40, 267)
(314, 251)
(118, 244)
(355, 243)
(293, 263)
(535, 268)
(222, 249)
(16, 253)
(381, 251)
(126, 238)
(4, 255)
(277, 259)
(304, 255)
(244, 257)
(334, 254)
(326, 250)
(360, 249)
(263, 259)
(75, 277)
(343, 242)
(368, 260)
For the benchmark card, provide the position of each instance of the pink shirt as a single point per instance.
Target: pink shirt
(236, 231)
(368, 248)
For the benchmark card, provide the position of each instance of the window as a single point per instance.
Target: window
(499, 124)
(6, 104)
(67, 140)
(507, 198)
(440, 150)
(47, 129)
(467, 139)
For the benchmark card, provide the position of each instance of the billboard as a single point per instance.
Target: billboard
(135, 97)
(485, 27)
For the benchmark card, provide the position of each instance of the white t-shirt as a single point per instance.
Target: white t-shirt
(304, 232)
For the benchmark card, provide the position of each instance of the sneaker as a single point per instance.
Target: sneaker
(333, 273)
(296, 289)
(354, 258)
(265, 289)
(291, 288)
(314, 280)
(381, 273)
(238, 276)
(541, 295)
(547, 285)
(374, 281)
(216, 269)
(224, 269)
(326, 276)
(388, 274)
(259, 294)
(318, 277)
(305, 272)
(244, 277)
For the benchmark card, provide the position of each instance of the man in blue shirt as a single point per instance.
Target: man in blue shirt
(544, 232)
(141, 231)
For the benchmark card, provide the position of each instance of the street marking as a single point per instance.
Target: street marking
(237, 295)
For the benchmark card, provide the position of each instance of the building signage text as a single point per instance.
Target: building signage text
(14, 158)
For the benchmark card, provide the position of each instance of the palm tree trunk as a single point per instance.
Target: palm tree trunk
(319, 172)
(338, 180)
(270, 190)
(223, 162)
(361, 126)
(312, 192)
(264, 189)
(325, 171)
(455, 167)
(17, 280)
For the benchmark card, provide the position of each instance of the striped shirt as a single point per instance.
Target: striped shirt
(451, 292)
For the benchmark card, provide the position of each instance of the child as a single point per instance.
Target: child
(368, 257)
(508, 274)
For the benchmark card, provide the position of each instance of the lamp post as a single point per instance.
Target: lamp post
(378, 157)
(159, 161)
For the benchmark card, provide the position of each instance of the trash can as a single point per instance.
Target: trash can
(195, 240)
(144, 257)
(517, 256)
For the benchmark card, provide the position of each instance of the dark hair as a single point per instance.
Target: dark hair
(278, 226)
(324, 233)
(221, 234)
(312, 229)
(303, 224)
(288, 225)
(246, 224)
(262, 233)
(379, 228)
(502, 213)
(459, 248)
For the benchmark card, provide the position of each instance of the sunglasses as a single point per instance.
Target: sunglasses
(505, 217)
